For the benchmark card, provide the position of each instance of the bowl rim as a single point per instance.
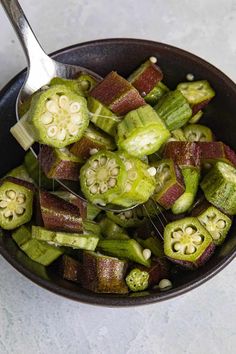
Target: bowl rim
(113, 300)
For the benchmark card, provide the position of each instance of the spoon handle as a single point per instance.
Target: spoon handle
(33, 50)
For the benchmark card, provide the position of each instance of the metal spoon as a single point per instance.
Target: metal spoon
(41, 69)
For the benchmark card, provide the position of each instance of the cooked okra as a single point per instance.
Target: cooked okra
(112, 231)
(214, 151)
(197, 132)
(197, 91)
(156, 93)
(129, 218)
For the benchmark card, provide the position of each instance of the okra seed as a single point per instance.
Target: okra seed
(93, 151)
(20, 200)
(152, 171)
(52, 106)
(216, 236)
(95, 163)
(61, 135)
(75, 118)
(132, 175)
(128, 165)
(177, 246)
(190, 249)
(74, 107)
(73, 130)
(196, 239)
(190, 77)
(103, 160)
(153, 60)
(177, 235)
(52, 130)
(90, 173)
(115, 171)
(3, 204)
(20, 210)
(103, 188)
(165, 284)
(63, 102)
(189, 230)
(128, 214)
(85, 84)
(128, 187)
(90, 181)
(11, 194)
(112, 182)
(8, 213)
(93, 189)
(221, 224)
(47, 118)
(147, 253)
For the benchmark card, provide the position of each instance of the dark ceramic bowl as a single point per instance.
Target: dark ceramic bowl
(124, 55)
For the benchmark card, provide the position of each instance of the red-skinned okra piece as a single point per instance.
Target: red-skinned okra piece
(71, 269)
(59, 163)
(92, 141)
(169, 183)
(183, 153)
(57, 214)
(117, 94)
(104, 274)
(214, 151)
(146, 76)
(78, 202)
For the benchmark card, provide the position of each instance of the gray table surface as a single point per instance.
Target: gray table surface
(33, 320)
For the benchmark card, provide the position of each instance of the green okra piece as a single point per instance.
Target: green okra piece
(191, 177)
(197, 91)
(154, 244)
(21, 173)
(188, 243)
(156, 93)
(137, 280)
(127, 249)
(196, 117)
(128, 218)
(139, 184)
(216, 223)
(16, 204)
(141, 132)
(39, 252)
(219, 187)
(103, 117)
(71, 269)
(71, 84)
(102, 177)
(67, 239)
(112, 231)
(174, 110)
(86, 83)
(57, 117)
(198, 132)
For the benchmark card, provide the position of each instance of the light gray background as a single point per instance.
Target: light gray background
(33, 320)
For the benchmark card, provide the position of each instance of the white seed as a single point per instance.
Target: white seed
(115, 171)
(165, 284)
(221, 224)
(112, 163)
(147, 253)
(73, 129)
(189, 230)
(20, 200)
(85, 84)
(63, 102)
(74, 107)
(103, 188)
(3, 204)
(216, 236)
(93, 151)
(103, 160)
(52, 131)
(152, 171)
(20, 210)
(75, 118)
(132, 175)
(128, 187)
(197, 239)
(177, 235)
(90, 173)
(190, 249)
(90, 181)
(95, 164)
(153, 60)
(122, 217)
(47, 118)
(190, 77)
(11, 194)
(61, 135)
(112, 182)
(8, 213)
(128, 214)
(177, 246)
(93, 189)
(128, 165)
(52, 106)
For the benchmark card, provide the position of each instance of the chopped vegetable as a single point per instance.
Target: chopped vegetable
(197, 132)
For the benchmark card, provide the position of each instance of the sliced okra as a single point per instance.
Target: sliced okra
(102, 117)
(71, 269)
(196, 117)
(78, 202)
(177, 135)
(92, 141)
(73, 85)
(58, 214)
(59, 163)
(86, 83)
(197, 91)
(145, 77)
(191, 177)
(216, 223)
(117, 94)
(156, 93)
(102, 177)
(188, 243)
(174, 110)
(137, 279)
(67, 239)
(112, 231)
(58, 116)
(104, 274)
(16, 203)
(169, 183)
(219, 187)
(198, 132)
(38, 251)
(141, 132)
(216, 151)
(127, 249)
(21, 173)
(139, 184)
(128, 218)
(35, 171)
(183, 153)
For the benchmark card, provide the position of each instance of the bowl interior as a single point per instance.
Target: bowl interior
(124, 55)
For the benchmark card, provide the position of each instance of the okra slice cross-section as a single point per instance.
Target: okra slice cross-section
(102, 177)
(187, 242)
(15, 205)
(59, 116)
(198, 132)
